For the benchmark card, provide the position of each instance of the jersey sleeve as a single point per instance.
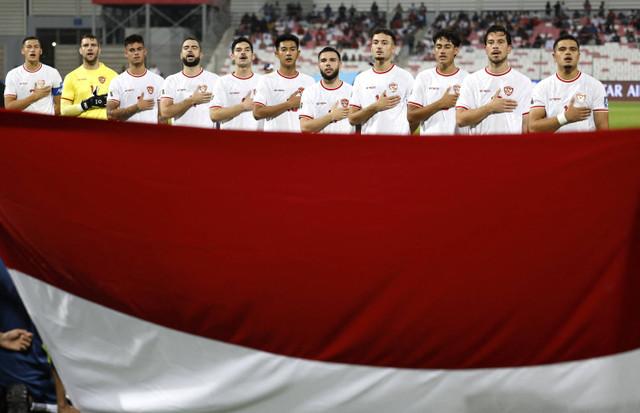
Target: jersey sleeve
(537, 97)
(465, 99)
(115, 91)
(355, 99)
(219, 95)
(417, 94)
(600, 102)
(261, 97)
(56, 84)
(306, 104)
(11, 84)
(527, 96)
(168, 89)
(68, 88)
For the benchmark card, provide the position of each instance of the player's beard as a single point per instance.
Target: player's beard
(498, 61)
(195, 62)
(91, 61)
(331, 76)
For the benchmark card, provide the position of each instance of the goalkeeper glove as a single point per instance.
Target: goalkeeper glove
(97, 101)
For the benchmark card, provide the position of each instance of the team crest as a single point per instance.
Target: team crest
(508, 90)
(203, 88)
(102, 79)
(393, 87)
(41, 83)
(300, 89)
(344, 102)
(581, 97)
(150, 90)
(456, 89)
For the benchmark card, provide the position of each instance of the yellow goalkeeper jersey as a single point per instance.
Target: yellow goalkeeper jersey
(79, 84)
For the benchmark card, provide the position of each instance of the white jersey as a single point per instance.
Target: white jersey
(126, 89)
(231, 90)
(370, 85)
(20, 83)
(428, 88)
(317, 101)
(179, 87)
(275, 88)
(554, 95)
(478, 89)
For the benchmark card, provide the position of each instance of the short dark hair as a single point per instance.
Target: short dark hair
(29, 38)
(330, 49)
(498, 28)
(134, 38)
(383, 30)
(241, 40)
(90, 36)
(565, 37)
(449, 34)
(195, 40)
(287, 37)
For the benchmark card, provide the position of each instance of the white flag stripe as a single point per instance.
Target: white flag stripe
(111, 362)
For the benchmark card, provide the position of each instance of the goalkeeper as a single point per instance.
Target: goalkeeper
(84, 90)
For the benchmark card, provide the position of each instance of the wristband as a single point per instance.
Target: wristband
(562, 119)
(80, 108)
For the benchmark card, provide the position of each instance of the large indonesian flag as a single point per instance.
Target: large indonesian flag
(186, 270)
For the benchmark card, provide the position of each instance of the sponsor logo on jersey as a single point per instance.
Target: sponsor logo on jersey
(102, 79)
(456, 89)
(606, 102)
(150, 90)
(508, 90)
(393, 87)
(580, 97)
(344, 102)
(41, 83)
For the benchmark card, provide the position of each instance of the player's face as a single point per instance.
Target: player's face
(191, 53)
(567, 54)
(382, 47)
(89, 50)
(497, 47)
(288, 54)
(444, 51)
(329, 65)
(242, 56)
(32, 51)
(135, 53)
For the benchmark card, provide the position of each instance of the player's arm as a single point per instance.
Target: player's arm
(316, 125)
(540, 123)
(358, 116)
(416, 114)
(525, 123)
(601, 119)
(471, 117)
(13, 103)
(175, 110)
(220, 114)
(115, 112)
(262, 111)
(56, 104)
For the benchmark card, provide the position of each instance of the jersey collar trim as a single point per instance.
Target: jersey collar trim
(31, 71)
(382, 73)
(569, 81)
(499, 74)
(191, 77)
(442, 74)
(242, 78)
(132, 75)
(288, 77)
(335, 88)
